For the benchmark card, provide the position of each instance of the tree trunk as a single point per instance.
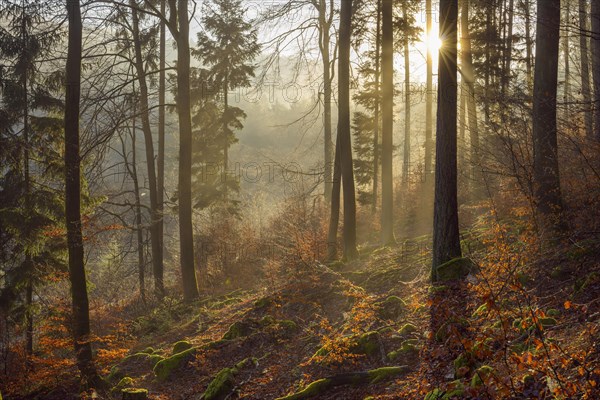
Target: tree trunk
(429, 100)
(376, 112)
(324, 32)
(334, 218)
(345, 36)
(468, 75)
(446, 238)
(508, 48)
(545, 148)
(186, 233)
(81, 316)
(528, 45)
(406, 158)
(155, 215)
(159, 285)
(567, 87)
(585, 70)
(387, 150)
(595, 44)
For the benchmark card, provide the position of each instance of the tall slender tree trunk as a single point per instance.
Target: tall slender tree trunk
(79, 296)
(545, 147)
(345, 36)
(446, 239)
(324, 45)
(429, 99)
(186, 232)
(387, 132)
(468, 76)
(585, 69)
(567, 87)
(595, 44)
(334, 218)
(159, 285)
(406, 158)
(138, 207)
(528, 45)
(155, 215)
(225, 136)
(508, 48)
(377, 109)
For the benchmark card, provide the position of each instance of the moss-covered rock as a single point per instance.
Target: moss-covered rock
(435, 394)
(148, 350)
(407, 329)
(391, 308)
(462, 365)
(221, 385)
(481, 375)
(263, 302)
(383, 373)
(547, 322)
(164, 368)
(313, 389)
(180, 346)
(455, 390)
(437, 289)
(125, 382)
(134, 394)
(367, 343)
(553, 312)
(455, 269)
(238, 329)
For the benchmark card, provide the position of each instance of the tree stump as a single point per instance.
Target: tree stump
(134, 394)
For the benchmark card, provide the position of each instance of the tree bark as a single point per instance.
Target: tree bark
(324, 45)
(79, 296)
(585, 70)
(567, 86)
(595, 44)
(377, 110)
(406, 158)
(155, 215)
(345, 36)
(446, 239)
(528, 45)
(334, 218)
(159, 285)
(545, 148)
(387, 150)
(186, 233)
(429, 100)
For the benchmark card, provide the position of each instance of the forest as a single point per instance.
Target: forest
(299, 199)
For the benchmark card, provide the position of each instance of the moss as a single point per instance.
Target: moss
(180, 346)
(221, 385)
(455, 269)
(367, 343)
(267, 320)
(481, 375)
(391, 308)
(481, 310)
(523, 278)
(553, 312)
(547, 322)
(528, 380)
(164, 368)
(456, 389)
(380, 374)
(437, 289)
(148, 350)
(115, 373)
(238, 329)
(435, 394)
(313, 389)
(134, 394)
(386, 329)
(407, 329)
(124, 382)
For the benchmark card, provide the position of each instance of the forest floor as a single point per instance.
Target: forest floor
(517, 326)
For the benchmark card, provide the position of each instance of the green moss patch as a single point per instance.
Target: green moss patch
(164, 368)
(391, 308)
(238, 329)
(180, 346)
(455, 269)
(223, 383)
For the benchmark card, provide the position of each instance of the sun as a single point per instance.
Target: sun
(434, 43)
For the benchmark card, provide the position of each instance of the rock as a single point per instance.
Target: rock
(391, 308)
(148, 350)
(134, 394)
(481, 375)
(367, 343)
(164, 368)
(263, 303)
(437, 289)
(123, 383)
(223, 383)
(313, 389)
(407, 329)
(180, 346)
(238, 329)
(455, 269)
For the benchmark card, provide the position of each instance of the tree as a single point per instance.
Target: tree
(585, 68)
(446, 238)
(186, 232)
(155, 213)
(595, 44)
(387, 69)
(80, 304)
(228, 45)
(345, 147)
(428, 96)
(545, 147)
